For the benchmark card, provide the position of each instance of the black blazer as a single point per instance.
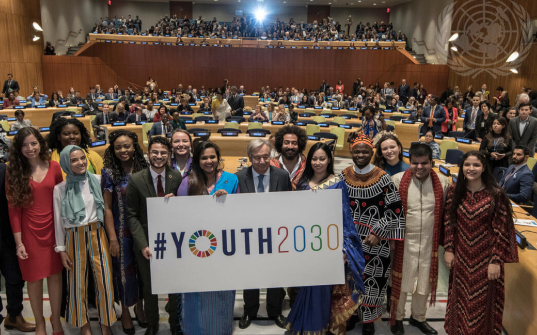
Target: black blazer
(279, 180)
(6, 234)
(112, 117)
(482, 127)
(132, 117)
(14, 86)
(139, 188)
(236, 104)
(87, 111)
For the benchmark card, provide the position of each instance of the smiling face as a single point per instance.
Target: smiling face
(181, 144)
(70, 134)
(420, 167)
(472, 168)
(78, 162)
(320, 161)
(124, 148)
(390, 151)
(260, 159)
(30, 147)
(208, 160)
(158, 155)
(361, 155)
(290, 146)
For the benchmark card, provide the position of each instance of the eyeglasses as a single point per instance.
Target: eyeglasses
(157, 153)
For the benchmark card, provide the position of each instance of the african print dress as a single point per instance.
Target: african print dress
(483, 233)
(376, 209)
(127, 281)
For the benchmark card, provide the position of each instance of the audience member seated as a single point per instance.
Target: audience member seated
(120, 112)
(176, 121)
(205, 105)
(161, 111)
(150, 111)
(435, 147)
(92, 94)
(184, 106)
(518, 178)
(137, 116)
(76, 99)
(21, 122)
(162, 127)
(281, 115)
(111, 95)
(258, 115)
(55, 100)
(10, 101)
(104, 117)
(90, 108)
(37, 98)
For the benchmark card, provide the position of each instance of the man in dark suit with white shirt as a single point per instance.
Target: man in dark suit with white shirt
(138, 115)
(433, 116)
(470, 116)
(518, 178)
(92, 94)
(404, 92)
(161, 128)
(10, 84)
(262, 178)
(104, 117)
(523, 128)
(236, 102)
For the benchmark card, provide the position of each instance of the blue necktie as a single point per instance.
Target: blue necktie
(261, 186)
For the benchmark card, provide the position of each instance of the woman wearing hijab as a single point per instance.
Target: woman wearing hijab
(81, 240)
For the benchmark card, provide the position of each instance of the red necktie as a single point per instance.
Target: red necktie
(431, 117)
(160, 189)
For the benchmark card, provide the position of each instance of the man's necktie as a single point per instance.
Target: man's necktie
(261, 186)
(105, 119)
(160, 189)
(431, 117)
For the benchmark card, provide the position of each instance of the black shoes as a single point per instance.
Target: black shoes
(142, 324)
(368, 328)
(245, 321)
(280, 321)
(351, 323)
(398, 329)
(423, 326)
(130, 331)
(152, 330)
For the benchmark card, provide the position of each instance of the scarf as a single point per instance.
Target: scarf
(397, 269)
(73, 207)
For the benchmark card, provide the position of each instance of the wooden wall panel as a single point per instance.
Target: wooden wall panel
(182, 9)
(19, 54)
(318, 12)
(253, 68)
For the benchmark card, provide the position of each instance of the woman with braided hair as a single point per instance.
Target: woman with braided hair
(121, 159)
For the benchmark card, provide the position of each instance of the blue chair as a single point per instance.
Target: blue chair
(454, 156)
(498, 173)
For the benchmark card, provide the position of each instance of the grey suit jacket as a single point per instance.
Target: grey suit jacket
(529, 137)
(279, 180)
(139, 188)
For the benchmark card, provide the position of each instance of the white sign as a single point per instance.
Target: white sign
(245, 241)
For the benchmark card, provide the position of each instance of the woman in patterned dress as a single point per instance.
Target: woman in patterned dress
(121, 159)
(479, 239)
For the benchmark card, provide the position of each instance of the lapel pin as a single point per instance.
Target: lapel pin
(169, 176)
(225, 182)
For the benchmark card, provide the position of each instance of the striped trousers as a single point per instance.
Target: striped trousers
(87, 246)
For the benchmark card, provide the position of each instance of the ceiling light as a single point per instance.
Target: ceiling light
(37, 26)
(35, 38)
(374, 4)
(453, 37)
(515, 71)
(513, 57)
(454, 48)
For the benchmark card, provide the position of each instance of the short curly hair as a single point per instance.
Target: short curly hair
(294, 130)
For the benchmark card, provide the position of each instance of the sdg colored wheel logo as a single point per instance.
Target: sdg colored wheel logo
(200, 234)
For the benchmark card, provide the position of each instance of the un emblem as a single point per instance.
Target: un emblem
(489, 31)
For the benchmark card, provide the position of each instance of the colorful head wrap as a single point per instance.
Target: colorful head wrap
(362, 138)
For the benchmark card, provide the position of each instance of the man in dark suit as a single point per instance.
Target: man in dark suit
(162, 127)
(404, 92)
(104, 117)
(138, 115)
(156, 181)
(518, 178)
(433, 116)
(523, 128)
(77, 99)
(10, 84)
(414, 91)
(324, 87)
(261, 178)
(92, 94)
(110, 95)
(90, 108)
(470, 116)
(236, 102)
(9, 266)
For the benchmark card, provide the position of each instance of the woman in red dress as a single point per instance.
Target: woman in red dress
(479, 239)
(31, 177)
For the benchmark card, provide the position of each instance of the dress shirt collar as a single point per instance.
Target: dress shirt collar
(256, 175)
(295, 169)
(517, 168)
(155, 175)
(365, 170)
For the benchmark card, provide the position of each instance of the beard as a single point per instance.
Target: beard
(290, 154)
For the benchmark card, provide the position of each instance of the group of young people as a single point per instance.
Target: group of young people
(73, 212)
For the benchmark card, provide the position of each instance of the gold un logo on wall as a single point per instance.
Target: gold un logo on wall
(485, 36)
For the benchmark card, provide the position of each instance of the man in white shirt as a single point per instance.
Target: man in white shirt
(262, 178)
(523, 128)
(150, 111)
(290, 142)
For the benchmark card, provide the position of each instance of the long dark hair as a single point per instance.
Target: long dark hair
(113, 165)
(56, 129)
(308, 171)
(505, 134)
(488, 180)
(19, 190)
(197, 181)
(379, 159)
